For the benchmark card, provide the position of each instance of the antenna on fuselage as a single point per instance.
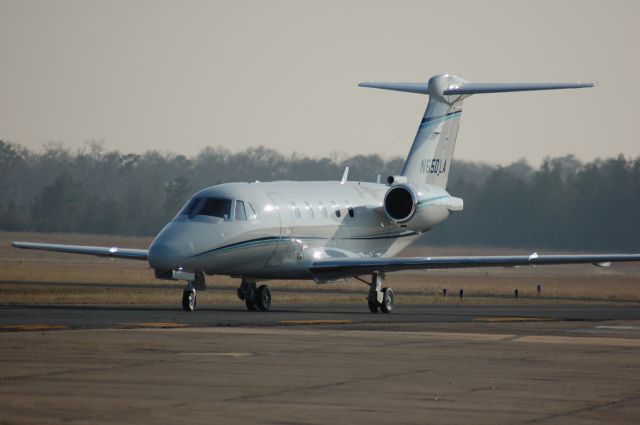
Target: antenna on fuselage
(345, 175)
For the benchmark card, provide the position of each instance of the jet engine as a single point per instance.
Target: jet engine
(400, 203)
(419, 208)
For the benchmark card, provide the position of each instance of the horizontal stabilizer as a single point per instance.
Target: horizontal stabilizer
(477, 88)
(422, 88)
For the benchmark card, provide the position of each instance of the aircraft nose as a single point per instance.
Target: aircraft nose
(163, 256)
(167, 253)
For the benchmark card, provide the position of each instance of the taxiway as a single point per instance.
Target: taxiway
(321, 364)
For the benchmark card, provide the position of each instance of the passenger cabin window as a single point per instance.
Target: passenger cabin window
(213, 207)
(241, 213)
(309, 209)
(295, 209)
(349, 209)
(323, 210)
(336, 208)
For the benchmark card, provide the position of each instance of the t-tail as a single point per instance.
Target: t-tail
(430, 157)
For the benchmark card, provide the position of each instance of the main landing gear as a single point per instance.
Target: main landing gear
(380, 299)
(255, 298)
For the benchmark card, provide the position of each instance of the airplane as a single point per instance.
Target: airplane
(328, 231)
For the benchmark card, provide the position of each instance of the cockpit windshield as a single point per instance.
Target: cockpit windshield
(213, 207)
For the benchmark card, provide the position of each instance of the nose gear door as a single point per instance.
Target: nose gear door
(285, 235)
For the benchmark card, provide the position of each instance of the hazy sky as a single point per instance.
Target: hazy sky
(183, 75)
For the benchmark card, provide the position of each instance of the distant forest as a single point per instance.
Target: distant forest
(563, 204)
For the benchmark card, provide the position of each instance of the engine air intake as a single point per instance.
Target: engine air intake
(400, 203)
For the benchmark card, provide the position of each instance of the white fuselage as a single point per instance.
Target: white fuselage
(287, 226)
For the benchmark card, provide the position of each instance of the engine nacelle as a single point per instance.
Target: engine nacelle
(400, 203)
(419, 209)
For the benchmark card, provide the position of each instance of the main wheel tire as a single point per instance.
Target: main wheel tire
(263, 298)
(241, 294)
(251, 304)
(373, 306)
(189, 300)
(387, 300)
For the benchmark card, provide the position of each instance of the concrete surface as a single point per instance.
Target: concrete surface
(490, 367)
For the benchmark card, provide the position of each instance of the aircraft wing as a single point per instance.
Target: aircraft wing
(348, 267)
(115, 252)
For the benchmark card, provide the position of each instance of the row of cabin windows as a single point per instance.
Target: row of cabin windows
(222, 208)
(323, 210)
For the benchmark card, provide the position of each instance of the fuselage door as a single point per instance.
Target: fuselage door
(285, 232)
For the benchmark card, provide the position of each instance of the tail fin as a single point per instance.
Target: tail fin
(430, 156)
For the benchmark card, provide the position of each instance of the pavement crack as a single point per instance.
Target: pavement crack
(329, 385)
(581, 410)
(68, 371)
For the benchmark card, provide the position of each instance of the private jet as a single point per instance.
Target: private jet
(328, 231)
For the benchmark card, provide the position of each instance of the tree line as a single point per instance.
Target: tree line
(563, 204)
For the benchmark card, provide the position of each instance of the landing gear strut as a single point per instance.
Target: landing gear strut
(380, 299)
(189, 294)
(254, 298)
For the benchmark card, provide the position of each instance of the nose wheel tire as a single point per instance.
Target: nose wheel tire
(189, 299)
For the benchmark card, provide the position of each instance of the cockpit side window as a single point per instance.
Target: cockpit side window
(190, 206)
(253, 211)
(216, 208)
(213, 207)
(241, 213)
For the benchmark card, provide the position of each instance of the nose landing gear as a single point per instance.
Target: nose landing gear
(189, 298)
(189, 294)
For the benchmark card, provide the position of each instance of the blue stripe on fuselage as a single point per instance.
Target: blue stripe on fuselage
(448, 116)
(271, 239)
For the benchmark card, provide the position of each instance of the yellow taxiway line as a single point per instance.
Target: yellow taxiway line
(315, 322)
(33, 327)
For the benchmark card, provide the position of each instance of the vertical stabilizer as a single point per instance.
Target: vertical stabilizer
(431, 154)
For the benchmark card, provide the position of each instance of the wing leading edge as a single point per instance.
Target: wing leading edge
(349, 267)
(115, 252)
